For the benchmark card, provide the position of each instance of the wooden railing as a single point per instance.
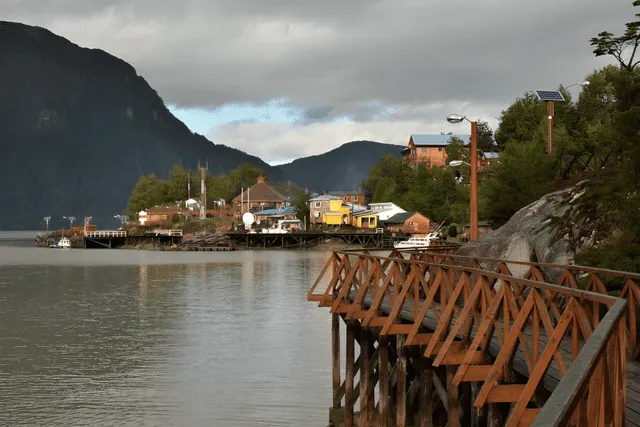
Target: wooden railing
(607, 282)
(514, 338)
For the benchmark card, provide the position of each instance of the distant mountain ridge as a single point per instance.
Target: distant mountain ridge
(79, 126)
(341, 169)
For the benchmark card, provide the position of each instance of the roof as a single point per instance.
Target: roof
(278, 212)
(332, 213)
(324, 197)
(400, 218)
(164, 209)
(433, 139)
(491, 155)
(261, 192)
(364, 213)
(337, 193)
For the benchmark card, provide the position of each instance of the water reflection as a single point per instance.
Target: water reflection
(227, 339)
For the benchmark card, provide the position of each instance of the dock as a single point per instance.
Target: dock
(461, 341)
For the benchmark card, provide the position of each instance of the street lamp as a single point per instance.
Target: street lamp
(46, 221)
(123, 219)
(583, 84)
(457, 118)
(71, 220)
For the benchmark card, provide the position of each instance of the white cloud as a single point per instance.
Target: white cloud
(276, 141)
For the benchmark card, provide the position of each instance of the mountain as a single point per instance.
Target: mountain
(79, 126)
(341, 169)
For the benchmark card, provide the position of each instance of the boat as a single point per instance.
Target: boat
(420, 242)
(416, 242)
(63, 243)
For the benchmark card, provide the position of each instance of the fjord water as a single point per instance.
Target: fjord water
(136, 338)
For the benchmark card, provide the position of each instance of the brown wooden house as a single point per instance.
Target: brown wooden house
(428, 149)
(349, 196)
(257, 198)
(408, 223)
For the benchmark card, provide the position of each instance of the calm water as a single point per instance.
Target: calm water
(134, 338)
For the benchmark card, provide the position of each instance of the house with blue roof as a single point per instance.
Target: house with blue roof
(429, 149)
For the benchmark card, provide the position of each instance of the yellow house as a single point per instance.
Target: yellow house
(365, 219)
(329, 210)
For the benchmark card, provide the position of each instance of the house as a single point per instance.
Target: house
(349, 196)
(428, 149)
(258, 197)
(385, 210)
(486, 157)
(364, 219)
(328, 209)
(412, 223)
(159, 215)
(274, 215)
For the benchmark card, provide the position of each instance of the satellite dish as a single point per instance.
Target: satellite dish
(316, 214)
(258, 222)
(248, 218)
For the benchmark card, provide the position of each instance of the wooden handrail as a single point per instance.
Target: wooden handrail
(559, 408)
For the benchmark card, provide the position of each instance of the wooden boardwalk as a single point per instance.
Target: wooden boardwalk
(470, 344)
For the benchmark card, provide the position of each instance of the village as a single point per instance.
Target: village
(261, 208)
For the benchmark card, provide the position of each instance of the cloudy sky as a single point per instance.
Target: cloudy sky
(288, 78)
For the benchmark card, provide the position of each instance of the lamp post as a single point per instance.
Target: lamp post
(71, 220)
(550, 96)
(46, 222)
(456, 118)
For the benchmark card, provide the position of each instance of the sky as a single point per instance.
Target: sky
(283, 79)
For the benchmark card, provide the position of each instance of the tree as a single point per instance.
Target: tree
(485, 137)
(298, 198)
(177, 183)
(148, 192)
(524, 174)
(623, 48)
(245, 176)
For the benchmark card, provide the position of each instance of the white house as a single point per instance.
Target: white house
(385, 210)
(192, 204)
(142, 217)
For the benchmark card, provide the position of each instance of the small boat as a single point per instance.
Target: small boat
(416, 242)
(63, 243)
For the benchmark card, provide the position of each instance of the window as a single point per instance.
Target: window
(411, 224)
(423, 151)
(354, 198)
(439, 149)
(317, 204)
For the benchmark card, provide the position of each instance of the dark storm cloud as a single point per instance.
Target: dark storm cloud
(335, 52)
(346, 69)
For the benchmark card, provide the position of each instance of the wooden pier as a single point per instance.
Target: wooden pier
(301, 239)
(460, 341)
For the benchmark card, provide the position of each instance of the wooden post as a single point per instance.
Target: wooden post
(494, 417)
(365, 356)
(335, 350)
(401, 382)
(452, 398)
(426, 394)
(349, 374)
(477, 414)
(474, 181)
(383, 380)
(550, 127)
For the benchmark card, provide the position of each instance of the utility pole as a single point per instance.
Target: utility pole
(188, 185)
(203, 196)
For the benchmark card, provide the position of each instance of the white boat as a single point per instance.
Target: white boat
(416, 242)
(63, 243)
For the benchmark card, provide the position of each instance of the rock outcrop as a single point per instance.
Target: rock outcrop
(550, 230)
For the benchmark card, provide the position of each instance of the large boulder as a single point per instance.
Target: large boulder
(549, 230)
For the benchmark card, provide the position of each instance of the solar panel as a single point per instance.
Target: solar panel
(549, 95)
